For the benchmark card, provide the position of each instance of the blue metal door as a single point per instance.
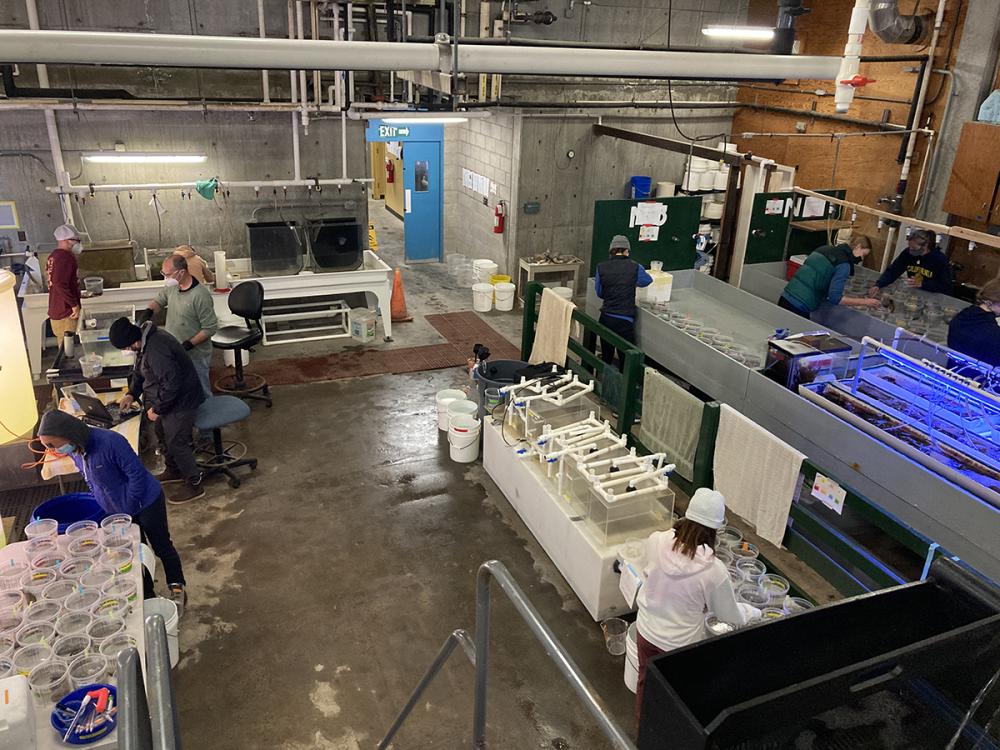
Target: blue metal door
(423, 200)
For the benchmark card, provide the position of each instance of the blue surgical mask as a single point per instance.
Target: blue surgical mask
(66, 449)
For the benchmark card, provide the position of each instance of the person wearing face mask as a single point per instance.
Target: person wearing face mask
(120, 484)
(926, 267)
(823, 276)
(64, 286)
(197, 266)
(974, 331)
(166, 380)
(191, 315)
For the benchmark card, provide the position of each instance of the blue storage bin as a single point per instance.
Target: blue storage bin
(68, 509)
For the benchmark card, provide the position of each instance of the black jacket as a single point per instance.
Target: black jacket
(616, 281)
(164, 375)
(975, 332)
(934, 267)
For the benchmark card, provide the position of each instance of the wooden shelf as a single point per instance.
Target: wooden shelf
(820, 225)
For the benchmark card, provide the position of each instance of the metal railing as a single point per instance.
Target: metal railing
(479, 652)
(147, 722)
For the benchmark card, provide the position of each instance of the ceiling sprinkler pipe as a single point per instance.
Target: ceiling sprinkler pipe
(892, 27)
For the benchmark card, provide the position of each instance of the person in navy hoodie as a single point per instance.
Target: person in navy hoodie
(121, 484)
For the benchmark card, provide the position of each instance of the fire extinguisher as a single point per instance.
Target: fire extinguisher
(499, 212)
(390, 171)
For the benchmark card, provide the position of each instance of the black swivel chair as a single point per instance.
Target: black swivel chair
(247, 301)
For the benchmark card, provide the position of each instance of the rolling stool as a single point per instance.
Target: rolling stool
(246, 300)
(224, 456)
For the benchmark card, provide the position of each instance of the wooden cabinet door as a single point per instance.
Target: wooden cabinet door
(975, 176)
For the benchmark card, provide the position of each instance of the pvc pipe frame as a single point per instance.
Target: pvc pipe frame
(188, 51)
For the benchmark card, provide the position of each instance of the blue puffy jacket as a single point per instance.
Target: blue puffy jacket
(115, 474)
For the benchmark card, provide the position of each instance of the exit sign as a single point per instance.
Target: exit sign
(391, 131)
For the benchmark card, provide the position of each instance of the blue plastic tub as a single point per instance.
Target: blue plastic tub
(639, 187)
(68, 509)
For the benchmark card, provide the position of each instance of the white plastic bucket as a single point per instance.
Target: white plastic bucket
(504, 293)
(168, 611)
(484, 268)
(706, 181)
(563, 291)
(229, 357)
(666, 189)
(463, 438)
(443, 399)
(462, 408)
(632, 659)
(482, 297)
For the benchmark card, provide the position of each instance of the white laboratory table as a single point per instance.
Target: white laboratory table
(46, 737)
(375, 277)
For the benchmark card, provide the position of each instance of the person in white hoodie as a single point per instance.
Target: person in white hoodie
(684, 579)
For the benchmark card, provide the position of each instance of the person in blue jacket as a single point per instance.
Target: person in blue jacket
(926, 267)
(121, 484)
(974, 331)
(615, 282)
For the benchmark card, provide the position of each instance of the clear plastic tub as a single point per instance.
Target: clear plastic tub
(103, 628)
(111, 606)
(43, 610)
(729, 537)
(35, 580)
(48, 561)
(768, 614)
(750, 593)
(16, 600)
(725, 555)
(746, 549)
(83, 600)
(795, 604)
(735, 576)
(119, 559)
(41, 546)
(775, 587)
(540, 414)
(91, 365)
(615, 634)
(49, 682)
(113, 540)
(35, 632)
(83, 530)
(68, 647)
(87, 669)
(118, 523)
(10, 575)
(75, 568)
(73, 623)
(121, 587)
(7, 644)
(708, 334)
(6, 667)
(57, 591)
(43, 528)
(114, 646)
(85, 547)
(30, 657)
(10, 620)
(751, 569)
(614, 521)
(97, 577)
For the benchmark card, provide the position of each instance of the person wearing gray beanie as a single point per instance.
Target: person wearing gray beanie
(615, 282)
(120, 483)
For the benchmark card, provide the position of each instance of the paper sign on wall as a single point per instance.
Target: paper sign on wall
(828, 492)
(649, 234)
(814, 207)
(648, 213)
(774, 207)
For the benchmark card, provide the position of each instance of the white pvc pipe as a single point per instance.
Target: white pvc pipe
(849, 64)
(303, 89)
(918, 109)
(156, 186)
(292, 76)
(350, 38)
(296, 157)
(314, 27)
(186, 51)
(338, 75)
(343, 144)
(264, 82)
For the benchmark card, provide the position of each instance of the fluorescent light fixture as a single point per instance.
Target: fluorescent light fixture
(755, 33)
(142, 157)
(416, 119)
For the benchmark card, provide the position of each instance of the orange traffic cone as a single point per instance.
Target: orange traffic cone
(399, 314)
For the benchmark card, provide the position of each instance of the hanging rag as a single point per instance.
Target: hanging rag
(757, 472)
(671, 421)
(206, 188)
(552, 330)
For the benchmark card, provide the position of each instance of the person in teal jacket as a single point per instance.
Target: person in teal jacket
(823, 276)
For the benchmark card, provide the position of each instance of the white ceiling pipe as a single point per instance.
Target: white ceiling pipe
(95, 48)
(851, 61)
(154, 187)
(188, 51)
(641, 63)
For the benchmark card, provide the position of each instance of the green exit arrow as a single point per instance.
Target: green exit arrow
(404, 131)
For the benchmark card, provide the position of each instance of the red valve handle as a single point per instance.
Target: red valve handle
(858, 81)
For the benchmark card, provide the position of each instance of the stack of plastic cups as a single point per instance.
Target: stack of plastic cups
(465, 275)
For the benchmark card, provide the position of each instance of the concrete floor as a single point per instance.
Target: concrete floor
(323, 587)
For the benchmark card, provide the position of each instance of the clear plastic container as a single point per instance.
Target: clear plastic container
(97, 577)
(795, 604)
(82, 601)
(68, 647)
(715, 626)
(103, 628)
(83, 530)
(16, 600)
(751, 569)
(49, 682)
(57, 591)
(114, 646)
(7, 644)
(708, 334)
(613, 521)
(43, 610)
(746, 549)
(119, 559)
(75, 568)
(35, 632)
(768, 614)
(615, 634)
(10, 575)
(112, 539)
(735, 576)
(729, 537)
(42, 528)
(775, 587)
(121, 587)
(48, 561)
(73, 623)
(10, 620)
(725, 555)
(750, 593)
(89, 547)
(6, 667)
(40, 546)
(693, 327)
(87, 669)
(35, 580)
(111, 606)
(722, 340)
(91, 365)
(30, 657)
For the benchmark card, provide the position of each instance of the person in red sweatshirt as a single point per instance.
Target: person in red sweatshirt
(64, 286)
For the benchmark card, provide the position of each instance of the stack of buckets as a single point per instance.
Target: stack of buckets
(495, 287)
(459, 418)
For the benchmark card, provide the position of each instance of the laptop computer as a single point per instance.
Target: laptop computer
(99, 414)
